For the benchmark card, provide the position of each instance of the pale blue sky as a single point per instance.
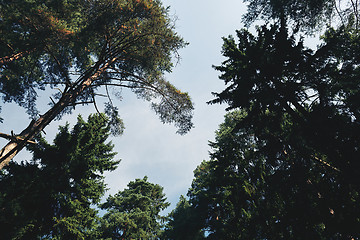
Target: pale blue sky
(148, 147)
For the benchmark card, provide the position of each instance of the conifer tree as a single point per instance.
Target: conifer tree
(82, 48)
(134, 212)
(51, 196)
(242, 193)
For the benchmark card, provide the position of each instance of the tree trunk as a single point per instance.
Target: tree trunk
(36, 126)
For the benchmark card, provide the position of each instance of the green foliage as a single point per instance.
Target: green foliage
(226, 190)
(134, 212)
(183, 223)
(82, 48)
(242, 193)
(76, 34)
(293, 174)
(51, 196)
(36, 44)
(297, 100)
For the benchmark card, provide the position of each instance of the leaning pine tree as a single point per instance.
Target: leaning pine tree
(80, 47)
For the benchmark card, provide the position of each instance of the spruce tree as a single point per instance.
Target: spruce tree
(51, 196)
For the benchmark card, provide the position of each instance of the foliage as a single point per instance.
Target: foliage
(83, 48)
(312, 95)
(183, 223)
(241, 193)
(134, 212)
(51, 197)
(293, 173)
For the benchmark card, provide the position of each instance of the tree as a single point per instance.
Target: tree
(81, 47)
(51, 197)
(241, 193)
(226, 189)
(280, 82)
(300, 106)
(183, 223)
(134, 212)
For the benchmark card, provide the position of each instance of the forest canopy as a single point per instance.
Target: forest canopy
(284, 163)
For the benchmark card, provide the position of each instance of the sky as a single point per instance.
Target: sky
(148, 147)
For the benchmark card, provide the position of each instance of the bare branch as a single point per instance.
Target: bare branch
(339, 12)
(108, 95)
(96, 108)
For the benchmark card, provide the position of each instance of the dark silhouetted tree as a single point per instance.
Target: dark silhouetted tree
(51, 197)
(279, 82)
(241, 193)
(183, 223)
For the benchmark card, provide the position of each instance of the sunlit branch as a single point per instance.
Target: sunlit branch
(67, 99)
(326, 163)
(14, 137)
(8, 59)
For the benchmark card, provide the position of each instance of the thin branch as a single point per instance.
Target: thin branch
(53, 83)
(62, 70)
(326, 163)
(96, 108)
(338, 12)
(108, 95)
(123, 85)
(99, 94)
(355, 5)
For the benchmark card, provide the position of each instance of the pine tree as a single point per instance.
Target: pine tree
(81, 48)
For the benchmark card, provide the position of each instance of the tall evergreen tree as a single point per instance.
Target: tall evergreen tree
(51, 197)
(241, 193)
(279, 82)
(81, 48)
